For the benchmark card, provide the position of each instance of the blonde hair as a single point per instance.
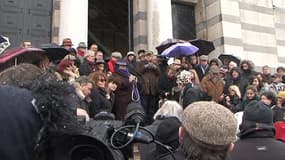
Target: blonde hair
(169, 108)
(235, 89)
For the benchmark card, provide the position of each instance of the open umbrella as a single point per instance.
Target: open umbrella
(179, 50)
(205, 47)
(227, 57)
(53, 51)
(16, 56)
(166, 44)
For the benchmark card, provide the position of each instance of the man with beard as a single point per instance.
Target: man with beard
(213, 85)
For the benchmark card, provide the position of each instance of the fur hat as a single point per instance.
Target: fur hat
(184, 77)
(210, 123)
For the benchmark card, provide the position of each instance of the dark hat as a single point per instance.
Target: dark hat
(257, 113)
(275, 75)
(168, 131)
(121, 62)
(67, 42)
(100, 61)
(210, 123)
(81, 45)
(280, 68)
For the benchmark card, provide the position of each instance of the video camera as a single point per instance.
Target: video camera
(107, 139)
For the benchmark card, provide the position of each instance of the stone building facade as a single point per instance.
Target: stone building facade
(251, 29)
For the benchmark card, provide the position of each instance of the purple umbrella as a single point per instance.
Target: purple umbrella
(166, 44)
(179, 50)
(16, 56)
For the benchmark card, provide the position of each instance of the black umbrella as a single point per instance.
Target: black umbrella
(166, 44)
(227, 57)
(205, 47)
(53, 51)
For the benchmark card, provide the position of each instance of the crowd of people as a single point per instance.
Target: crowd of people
(196, 105)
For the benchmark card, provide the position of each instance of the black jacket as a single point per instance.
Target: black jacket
(258, 144)
(99, 102)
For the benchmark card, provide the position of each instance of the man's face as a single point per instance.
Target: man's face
(99, 55)
(91, 58)
(266, 71)
(86, 89)
(27, 44)
(203, 62)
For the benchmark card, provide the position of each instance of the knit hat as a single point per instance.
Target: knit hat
(281, 95)
(258, 112)
(184, 77)
(100, 61)
(131, 53)
(121, 62)
(167, 132)
(210, 123)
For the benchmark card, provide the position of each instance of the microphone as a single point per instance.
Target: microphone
(135, 114)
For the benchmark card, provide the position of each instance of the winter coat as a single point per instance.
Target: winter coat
(149, 79)
(240, 82)
(165, 85)
(190, 94)
(123, 95)
(214, 90)
(259, 144)
(99, 102)
(86, 68)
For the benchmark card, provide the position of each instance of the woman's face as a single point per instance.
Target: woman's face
(232, 92)
(265, 100)
(101, 82)
(250, 94)
(255, 82)
(112, 86)
(279, 102)
(235, 74)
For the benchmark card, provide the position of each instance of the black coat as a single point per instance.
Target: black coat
(191, 94)
(165, 85)
(259, 145)
(99, 102)
(20, 124)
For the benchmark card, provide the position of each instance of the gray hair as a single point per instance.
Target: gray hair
(169, 108)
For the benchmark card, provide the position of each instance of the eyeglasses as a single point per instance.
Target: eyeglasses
(102, 80)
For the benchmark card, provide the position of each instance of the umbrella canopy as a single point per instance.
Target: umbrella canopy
(166, 44)
(205, 47)
(53, 51)
(227, 57)
(179, 50)
(16, 56)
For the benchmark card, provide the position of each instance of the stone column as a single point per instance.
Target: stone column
(73, 21)
(159, 22)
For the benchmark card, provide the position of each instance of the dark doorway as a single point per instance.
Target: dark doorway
(26, 20)
(108, 25)
(183, 21)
